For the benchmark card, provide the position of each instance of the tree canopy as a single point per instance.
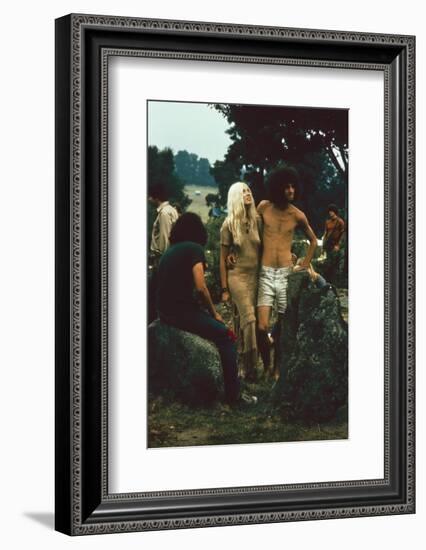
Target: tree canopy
(161, 170)
(314, 140)
(192, 169)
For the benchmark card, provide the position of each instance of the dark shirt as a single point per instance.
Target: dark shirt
(175, 293)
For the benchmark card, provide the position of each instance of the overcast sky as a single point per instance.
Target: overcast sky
(195, 127)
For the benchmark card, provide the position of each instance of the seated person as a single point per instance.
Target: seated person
(317, 279)
(180, 276)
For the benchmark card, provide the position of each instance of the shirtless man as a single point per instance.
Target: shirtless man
(280, 219)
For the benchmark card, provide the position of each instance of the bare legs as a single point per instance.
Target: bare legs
(264, 343)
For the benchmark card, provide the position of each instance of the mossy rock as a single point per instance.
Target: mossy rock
(312, 353)
(183, 366)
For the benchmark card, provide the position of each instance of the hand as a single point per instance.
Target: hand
(218, 317)
(300, 267)
(226, 297)
(336, 247)
(231, 260)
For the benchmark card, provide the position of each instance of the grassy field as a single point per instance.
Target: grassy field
(177, 425)
(198, 204)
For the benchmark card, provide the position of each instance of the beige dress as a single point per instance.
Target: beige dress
(242, 284)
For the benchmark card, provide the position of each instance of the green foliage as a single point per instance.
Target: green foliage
(265, 135)
(193, 170)
(334, 267)
(321, 184)
(152, 214)
(225, 173)
(161, 170)
(213, 257)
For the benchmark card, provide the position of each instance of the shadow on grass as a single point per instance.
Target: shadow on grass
(177, 425)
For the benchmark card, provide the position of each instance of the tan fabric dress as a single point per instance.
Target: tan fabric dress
(242, 284)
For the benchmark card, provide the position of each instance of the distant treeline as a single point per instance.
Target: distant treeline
(193, 170)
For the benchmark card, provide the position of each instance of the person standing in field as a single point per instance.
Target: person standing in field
(332, 239)
(333, 230)
(239, 237)
(166, 217)
(280, 219)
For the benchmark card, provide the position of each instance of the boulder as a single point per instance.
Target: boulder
(311, 353)
(183, 366)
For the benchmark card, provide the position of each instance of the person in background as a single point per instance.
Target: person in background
(166, 217)
(333, 230)
(180, 282)
(240, 237)
(332, 238)
(316, 278)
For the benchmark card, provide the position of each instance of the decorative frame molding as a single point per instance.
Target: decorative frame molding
(84, 43)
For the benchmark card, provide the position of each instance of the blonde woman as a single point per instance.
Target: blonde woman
(240, 239)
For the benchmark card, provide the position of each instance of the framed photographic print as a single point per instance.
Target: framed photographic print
(234, 274)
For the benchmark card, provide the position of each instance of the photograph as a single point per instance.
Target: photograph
(247, 283)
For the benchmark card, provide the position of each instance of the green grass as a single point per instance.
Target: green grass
(177, 425)
(198, 204)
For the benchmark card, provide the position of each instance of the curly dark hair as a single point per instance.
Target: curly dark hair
(189, 227)
(278, 179)
(333, 208)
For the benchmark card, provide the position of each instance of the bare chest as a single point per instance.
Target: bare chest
(278, 223)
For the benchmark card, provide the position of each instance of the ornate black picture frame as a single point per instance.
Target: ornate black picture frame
(84, 44)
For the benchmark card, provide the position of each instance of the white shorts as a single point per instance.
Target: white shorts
(272, 288)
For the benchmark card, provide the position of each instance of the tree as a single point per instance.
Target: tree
(193, 170)
(204, 175)
(161, 170)
(312, 140)
(225, 173)
(264, 135)
(186, 167)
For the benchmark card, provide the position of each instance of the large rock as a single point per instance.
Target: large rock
(312, 353)
(183, 366)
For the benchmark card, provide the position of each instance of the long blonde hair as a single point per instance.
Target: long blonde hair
(237, 213)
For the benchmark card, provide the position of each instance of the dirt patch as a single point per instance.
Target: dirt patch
(176, 425)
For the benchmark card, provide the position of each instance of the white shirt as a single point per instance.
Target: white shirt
(166, 217)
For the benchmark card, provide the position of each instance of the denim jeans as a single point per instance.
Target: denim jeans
(201, 323)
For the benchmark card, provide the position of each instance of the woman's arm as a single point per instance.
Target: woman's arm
(224, 251)
(203, 291)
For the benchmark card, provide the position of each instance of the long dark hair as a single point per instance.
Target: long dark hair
(189, 227)
(278, 179)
